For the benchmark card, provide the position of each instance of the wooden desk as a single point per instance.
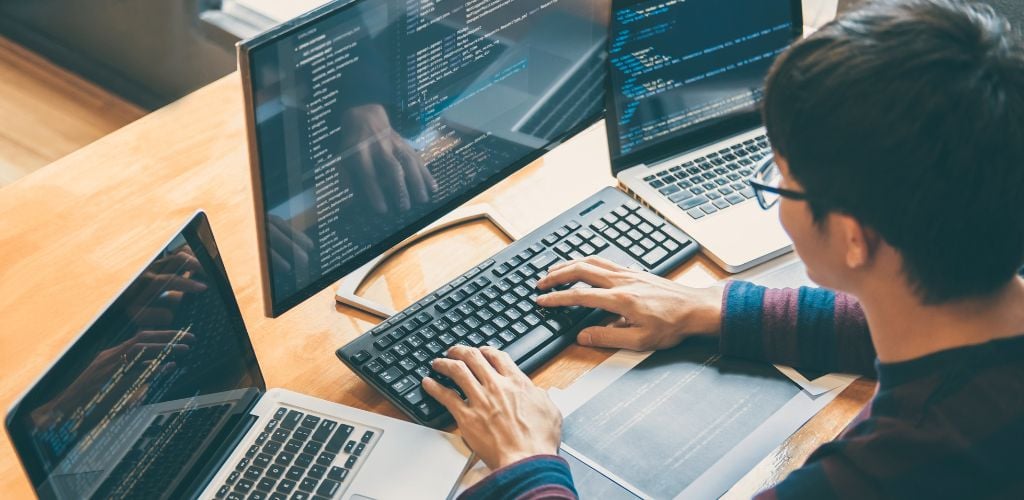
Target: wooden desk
(73, 233)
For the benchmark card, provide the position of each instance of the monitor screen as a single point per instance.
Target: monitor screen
(149, 391)
(371, 119)
(679, 67)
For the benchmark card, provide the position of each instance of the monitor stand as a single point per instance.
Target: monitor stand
(346, 293)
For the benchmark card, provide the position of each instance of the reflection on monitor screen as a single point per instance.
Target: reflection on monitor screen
(161, 377)
(374, 118)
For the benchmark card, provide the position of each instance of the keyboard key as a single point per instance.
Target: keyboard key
(284, 458)
(275, 471)
(325, 458)
(317, 471)
(312, 447)
(324, 431)
(266, 484)
(351, 462)
(328, 488)
(304, 459)
(233, 477)
(244, 485)
(311, 420)
(308, 484)
(338, 439)
(414, 396)
(295, 473)
(652, 258)
(403, 384)
(392, 374)
(709, 209)
(373, 367)
(529, 342)
(337, 474)
(693, 202)
(286, 486)
(734, 198)
(722, 204)
(669, 189)
(292, 420)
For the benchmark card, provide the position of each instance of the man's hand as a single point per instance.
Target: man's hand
(504, 418)
(386, 168)
(656, 313)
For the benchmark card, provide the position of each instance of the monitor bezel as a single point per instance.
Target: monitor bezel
(649, 155)
(197, 233)
(245, 50)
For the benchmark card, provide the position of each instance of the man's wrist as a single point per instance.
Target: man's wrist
(508, 459)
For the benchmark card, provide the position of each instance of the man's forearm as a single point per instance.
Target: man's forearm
(810, 328)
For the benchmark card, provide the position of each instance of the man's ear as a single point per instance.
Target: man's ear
(860, 242)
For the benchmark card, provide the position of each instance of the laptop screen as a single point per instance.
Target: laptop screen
(683, 69)
(149, 391)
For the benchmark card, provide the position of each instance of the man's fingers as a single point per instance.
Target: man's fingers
(447, 397)
(296, 235)
(156, 336)
(393, 174)
(458, 371)
(502, 362)
(598, 298)
(578, 271)
(614, 337)
(368, 180)
(180, 260)
(179, 283)
(413, 170)
(280, 262)
(151, 351)
(474, 360)
(284, 240)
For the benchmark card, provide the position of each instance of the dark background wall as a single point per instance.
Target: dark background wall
(149, 51)
(152, 52)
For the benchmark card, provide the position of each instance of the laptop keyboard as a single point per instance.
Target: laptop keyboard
(299, 457)
(494, 303)
(712, 183)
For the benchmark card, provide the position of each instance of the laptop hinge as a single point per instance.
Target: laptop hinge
(224, 451)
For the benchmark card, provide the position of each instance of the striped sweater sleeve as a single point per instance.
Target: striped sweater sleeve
(806, 328)
(533, 478)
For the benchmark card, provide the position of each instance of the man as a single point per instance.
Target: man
(898, 133)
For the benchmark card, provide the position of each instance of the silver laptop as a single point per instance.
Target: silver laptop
(162, 397)
(684, 130)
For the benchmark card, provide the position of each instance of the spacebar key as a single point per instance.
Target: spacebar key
(528, 343)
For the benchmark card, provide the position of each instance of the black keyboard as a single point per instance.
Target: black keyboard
(299, 456)
(714, 182)
(494, 302)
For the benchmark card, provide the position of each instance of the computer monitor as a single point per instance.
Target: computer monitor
(370, 119)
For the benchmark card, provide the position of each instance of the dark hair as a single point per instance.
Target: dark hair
(909, 116)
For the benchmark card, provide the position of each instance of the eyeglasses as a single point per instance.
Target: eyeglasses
(766, 179)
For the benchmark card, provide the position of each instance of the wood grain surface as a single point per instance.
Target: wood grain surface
(73, 233)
